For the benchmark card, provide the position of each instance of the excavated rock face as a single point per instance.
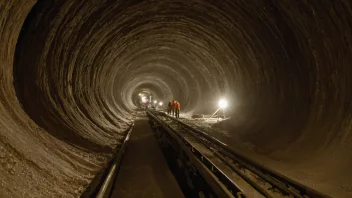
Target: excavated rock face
(71, 72)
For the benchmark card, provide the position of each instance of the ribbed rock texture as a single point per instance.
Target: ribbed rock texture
(71, 72)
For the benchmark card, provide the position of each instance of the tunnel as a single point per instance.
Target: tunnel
(71, 72)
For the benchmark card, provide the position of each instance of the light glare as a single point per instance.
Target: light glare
(223, 103)
(144, 99)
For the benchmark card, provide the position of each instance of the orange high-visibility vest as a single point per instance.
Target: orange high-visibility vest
(178, 106)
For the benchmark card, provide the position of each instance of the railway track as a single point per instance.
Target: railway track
(228, 172)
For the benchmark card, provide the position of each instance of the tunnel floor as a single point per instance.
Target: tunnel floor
(144, 171)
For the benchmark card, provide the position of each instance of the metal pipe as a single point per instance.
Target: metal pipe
(105, 189)
(214, 113)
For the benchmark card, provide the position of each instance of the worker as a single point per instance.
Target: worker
(169, 106)
(177, 109)
(173, 107)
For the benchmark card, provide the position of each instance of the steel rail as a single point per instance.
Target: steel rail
(222, 154)
(106, 187)
(276, 179)
(228, 183)
(240, 173)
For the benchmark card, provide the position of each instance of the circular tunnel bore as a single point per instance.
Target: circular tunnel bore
(71, 69)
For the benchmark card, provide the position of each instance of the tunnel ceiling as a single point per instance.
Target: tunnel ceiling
(70, 71)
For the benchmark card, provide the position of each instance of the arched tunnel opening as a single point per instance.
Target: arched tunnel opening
(72, 71)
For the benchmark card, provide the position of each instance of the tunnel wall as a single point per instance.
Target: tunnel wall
(59, 88)
(35, 160)
(68, 87)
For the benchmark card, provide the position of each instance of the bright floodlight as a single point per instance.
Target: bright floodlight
(144, 99)
(223, 103)
(160, 103)
(155, 101)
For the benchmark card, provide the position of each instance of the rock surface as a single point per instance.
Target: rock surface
(71, 71)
